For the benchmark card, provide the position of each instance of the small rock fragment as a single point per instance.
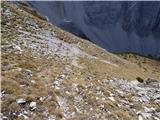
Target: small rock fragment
(150, 110)
(103, 98)
(135, 82)
(17, 47)
(33, 105)
(111, 98)
(4, 118)
(25, 117)
(28, 73)
(2, 94)
(42, 99)
(21, 101)
(140, 117)
(150, 81)
(33, 81)
(97, 98)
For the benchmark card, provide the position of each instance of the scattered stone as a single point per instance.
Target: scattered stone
(42, 99)
(157, 96)
(91, 109)
(4, 118)
(32, 106)
(52, 117)
(111, 94)
(25, 117)
(150, 80)
(152, 83)
(89, 78)
(19, 69)
(149, 110)
(135, 82)
(68, 93)
(57, 88)
(33, 81)
(56, 83)
(25, 112)
(143, 97)
(21, 101)
(17, 47)
(98, 88)
(120, 92)
(146, 116)
(62, 76)
(2, 94)
(103, 99)
(97, 98)
(22, 86)
(28, 73)
(140, 117)
(49, 97)
(111, 98)
(1, 114)
(7, 12)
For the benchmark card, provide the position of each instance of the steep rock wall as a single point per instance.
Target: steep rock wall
(116, 26)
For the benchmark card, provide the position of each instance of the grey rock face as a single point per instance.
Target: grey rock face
(116, 26)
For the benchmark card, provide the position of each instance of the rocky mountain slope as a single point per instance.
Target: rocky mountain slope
(117, 26)
(50, 74)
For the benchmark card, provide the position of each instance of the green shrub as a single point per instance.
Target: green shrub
(140, 79)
